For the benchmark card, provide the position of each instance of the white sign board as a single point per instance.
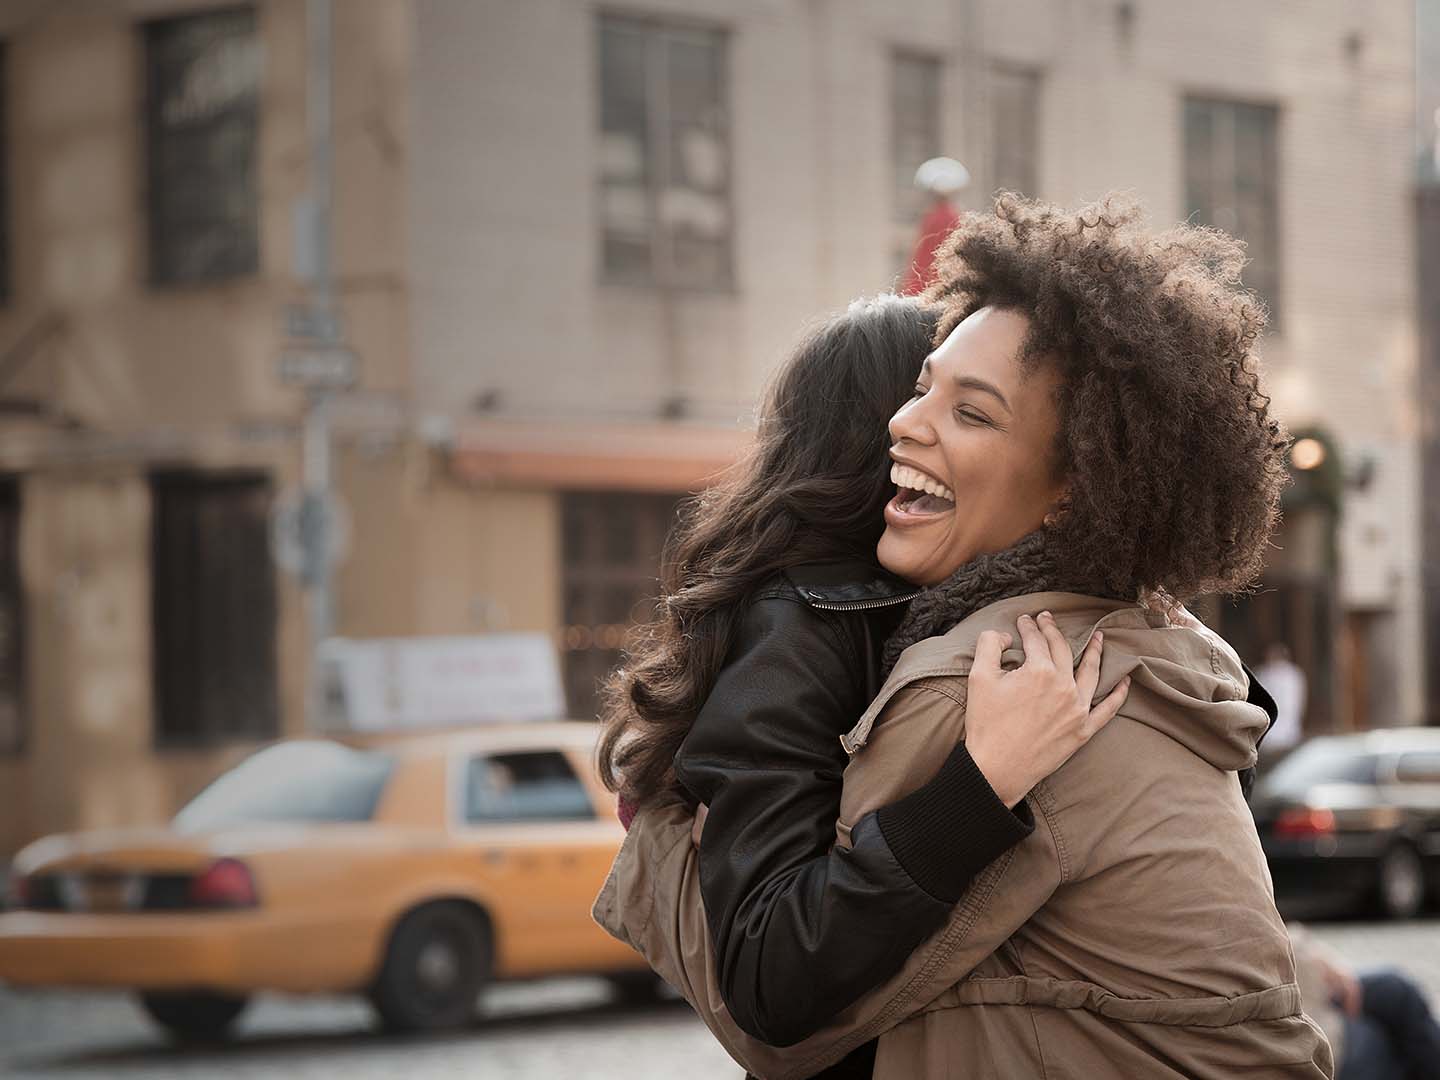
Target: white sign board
(382, 684)
(331, 366)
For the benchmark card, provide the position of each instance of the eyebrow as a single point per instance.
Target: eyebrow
(970, 382)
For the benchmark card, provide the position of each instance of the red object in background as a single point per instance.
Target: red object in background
(1302, 822)
(938, 223)
(226, 884)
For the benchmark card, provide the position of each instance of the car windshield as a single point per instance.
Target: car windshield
(307, 781)
(1323, 761)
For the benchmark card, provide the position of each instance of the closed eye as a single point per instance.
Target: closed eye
(971, 416)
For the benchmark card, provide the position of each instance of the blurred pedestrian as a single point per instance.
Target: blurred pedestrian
(1378, 1022)
(1286, 682)
(943, 178)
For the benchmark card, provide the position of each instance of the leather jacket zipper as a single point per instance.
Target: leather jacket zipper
(863, 605)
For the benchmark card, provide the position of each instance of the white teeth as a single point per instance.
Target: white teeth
(906, 477)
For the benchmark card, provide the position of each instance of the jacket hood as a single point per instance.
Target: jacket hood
(1187, 682)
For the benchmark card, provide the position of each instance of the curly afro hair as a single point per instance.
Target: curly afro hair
(1174, 464)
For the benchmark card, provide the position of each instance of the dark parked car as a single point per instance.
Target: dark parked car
(1355, 820)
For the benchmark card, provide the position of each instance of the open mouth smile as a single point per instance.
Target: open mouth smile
(919, 494)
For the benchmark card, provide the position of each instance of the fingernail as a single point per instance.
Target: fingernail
(1046, 615)
(1099, 637)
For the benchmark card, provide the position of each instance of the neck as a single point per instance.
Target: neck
(1027, 566)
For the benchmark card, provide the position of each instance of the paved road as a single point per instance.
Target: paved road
(562, 1028)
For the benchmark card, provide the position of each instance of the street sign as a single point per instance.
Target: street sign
(312, 324)
(331, 367)
(305, 529)
(386, 684)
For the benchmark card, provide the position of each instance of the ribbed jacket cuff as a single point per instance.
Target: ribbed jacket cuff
(945, 833)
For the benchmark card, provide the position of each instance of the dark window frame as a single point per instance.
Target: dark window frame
(183, 643)
(163, 265)
(659, 33)
(611, 544)
(1034, 80)
(1269, 281)
(908, 204)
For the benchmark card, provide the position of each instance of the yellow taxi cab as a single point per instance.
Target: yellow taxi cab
(413, 869)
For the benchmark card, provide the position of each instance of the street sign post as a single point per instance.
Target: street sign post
(312, 324)
(307, 531)
(319, 366)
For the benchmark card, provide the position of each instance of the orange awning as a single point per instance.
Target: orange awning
(587, 456)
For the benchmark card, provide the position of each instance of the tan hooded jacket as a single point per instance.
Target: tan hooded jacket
(1133, 934)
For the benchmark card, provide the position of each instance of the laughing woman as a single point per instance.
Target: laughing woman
(1086, 447)
(767, 649)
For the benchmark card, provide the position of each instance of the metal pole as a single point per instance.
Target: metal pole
(316, 465)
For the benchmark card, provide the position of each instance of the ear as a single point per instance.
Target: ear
(1059, 507)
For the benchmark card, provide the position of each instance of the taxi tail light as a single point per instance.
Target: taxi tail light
(227, 883)
(1304, 821)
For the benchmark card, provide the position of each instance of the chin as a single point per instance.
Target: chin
(891, 553)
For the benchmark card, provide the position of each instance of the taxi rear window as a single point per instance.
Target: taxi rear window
(532, 786)
(305, 781)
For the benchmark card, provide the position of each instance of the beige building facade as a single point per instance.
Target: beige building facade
(572, 242)
(146, 433)
(622, 217)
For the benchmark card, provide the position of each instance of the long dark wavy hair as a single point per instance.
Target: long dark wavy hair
(812, 489)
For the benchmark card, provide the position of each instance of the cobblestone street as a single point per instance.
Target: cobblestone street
(562, 1028)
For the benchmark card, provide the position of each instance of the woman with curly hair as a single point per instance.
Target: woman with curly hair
(1087, 447)
(767, 648)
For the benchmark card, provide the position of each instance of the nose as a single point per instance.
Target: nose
(912, 423)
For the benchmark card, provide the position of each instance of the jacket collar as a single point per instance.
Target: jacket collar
(848, 583)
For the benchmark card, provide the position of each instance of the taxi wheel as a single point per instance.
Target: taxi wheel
(194, 1016)
(436, 964)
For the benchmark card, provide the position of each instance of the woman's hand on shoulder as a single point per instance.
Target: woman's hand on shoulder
(1022, 725)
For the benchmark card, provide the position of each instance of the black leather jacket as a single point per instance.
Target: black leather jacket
(801, 928)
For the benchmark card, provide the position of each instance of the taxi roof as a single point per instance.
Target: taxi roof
(486, 737)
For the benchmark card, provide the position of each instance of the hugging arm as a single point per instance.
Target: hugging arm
(801, 927)
(651, 901)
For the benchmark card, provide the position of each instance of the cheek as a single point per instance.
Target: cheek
(1004, 491)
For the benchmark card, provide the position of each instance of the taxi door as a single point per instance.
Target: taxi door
(544, 851)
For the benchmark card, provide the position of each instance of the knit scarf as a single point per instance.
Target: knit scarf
(1028, 566)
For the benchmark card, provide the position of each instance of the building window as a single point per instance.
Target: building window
(612, 544)
(213, 608)
(1015, 130)
(533, 786)
(1232, 177)
(914, 126)
(12, 622)
(202, 75)
(664, 155)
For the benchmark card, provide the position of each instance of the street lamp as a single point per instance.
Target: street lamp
(1307, 454)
